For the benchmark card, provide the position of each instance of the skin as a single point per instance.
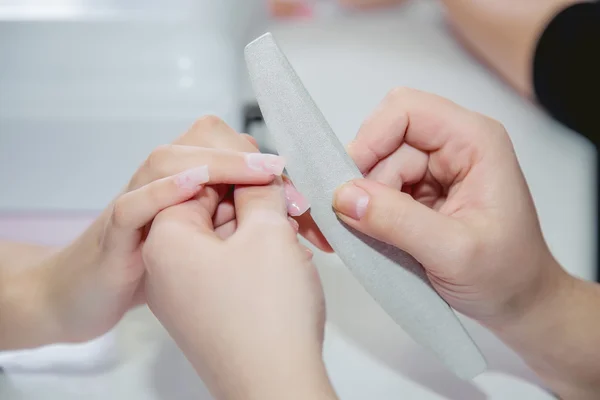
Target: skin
(81, 291)
(443, 183)
(254, 296)
(503, 34)
(447, 188)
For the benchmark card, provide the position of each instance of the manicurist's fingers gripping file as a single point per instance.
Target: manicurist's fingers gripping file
(318, 164)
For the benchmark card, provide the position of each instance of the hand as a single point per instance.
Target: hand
(444, 184)
(247, 310)
(94, 281)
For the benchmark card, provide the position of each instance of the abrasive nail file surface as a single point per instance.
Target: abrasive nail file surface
(318, 163)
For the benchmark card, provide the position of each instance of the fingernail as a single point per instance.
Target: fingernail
(192, 178)
(309, 252)
(296, 203)
(351, 201)
(269, 163)
(294, 224)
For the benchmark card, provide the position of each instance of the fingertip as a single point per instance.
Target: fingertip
(296, 203)
(351, 200)
(309, 230)
(193, 178)
(294, 224)
(309, 253)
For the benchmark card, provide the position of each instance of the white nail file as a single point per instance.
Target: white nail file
(317, 163)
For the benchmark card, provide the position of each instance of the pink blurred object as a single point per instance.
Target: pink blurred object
(306, 9)
(285, 9)
(51, 229)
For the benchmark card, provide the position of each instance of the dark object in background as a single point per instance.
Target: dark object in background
(566, 77)
(566, 69)
(252, 115)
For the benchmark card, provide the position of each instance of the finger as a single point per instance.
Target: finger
(307, 252)
(226, 230)
(137, 208)
(226, 166)
(261, 204)
(309, 230)
(406, 165)
(395, 218)
(225, 211)
(208, 131)
(296, 203)
(297, 207)
(428, 123)
(251, 139)
(211, 131)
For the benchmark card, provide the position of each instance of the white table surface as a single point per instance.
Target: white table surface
(348, 65)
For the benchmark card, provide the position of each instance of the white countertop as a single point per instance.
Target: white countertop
(348, 65)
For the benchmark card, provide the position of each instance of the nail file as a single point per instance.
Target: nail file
(317, 163)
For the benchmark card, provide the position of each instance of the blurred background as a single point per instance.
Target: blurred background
(89, 87)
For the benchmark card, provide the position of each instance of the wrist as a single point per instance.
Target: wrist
(538, 302)
(557, 336)
(269, 379)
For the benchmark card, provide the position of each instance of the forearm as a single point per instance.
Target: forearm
(23, 296)
(283, 371)
(559, 337)
(287, 380)
(504, 33)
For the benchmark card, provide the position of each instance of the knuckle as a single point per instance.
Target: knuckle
(202, 130)
(387, 220)
(493, 124)
(207, 123)
(156, 159)
(119, 213)
(400, 92)
(495, 129)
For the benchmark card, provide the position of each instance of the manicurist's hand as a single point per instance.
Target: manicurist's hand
(246, 309)
(443, 183)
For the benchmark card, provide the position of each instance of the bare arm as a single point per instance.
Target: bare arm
(24, 309)
(504, 33)
(559, 337)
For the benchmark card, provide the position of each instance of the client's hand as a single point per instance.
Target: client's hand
(444, 184)
(90, 284)
(246, 310)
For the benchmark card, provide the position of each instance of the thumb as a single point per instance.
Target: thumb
(394, 217)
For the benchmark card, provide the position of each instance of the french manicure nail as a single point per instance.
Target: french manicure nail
(351, 201)
(269, 163)
(296, 203)
(192, 178)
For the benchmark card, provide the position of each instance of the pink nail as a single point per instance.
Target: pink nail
(269, 163)
(296, 203)
(192, 178)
